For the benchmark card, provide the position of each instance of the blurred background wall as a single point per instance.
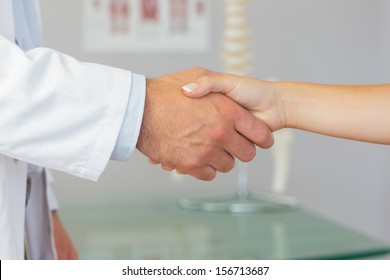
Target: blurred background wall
(323, 41)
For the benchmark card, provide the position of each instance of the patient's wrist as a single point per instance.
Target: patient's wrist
(281, 103)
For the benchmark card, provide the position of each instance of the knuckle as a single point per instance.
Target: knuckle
(204, 173)
(229, 165)
(191, 163)
(198, 70)
(219, 134)
(250, 154)
(208, 176)
(167, 167)
(266, 139)
(264, 136)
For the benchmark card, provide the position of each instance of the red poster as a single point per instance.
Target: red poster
(149, 10)
(119, 16)
(179, 16)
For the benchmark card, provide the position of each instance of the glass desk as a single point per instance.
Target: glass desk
(159, 229)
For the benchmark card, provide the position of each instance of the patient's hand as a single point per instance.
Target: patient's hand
(253, 94)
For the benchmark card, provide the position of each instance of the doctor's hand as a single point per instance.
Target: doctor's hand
(63, 243)
(197, 136)
(257, 96)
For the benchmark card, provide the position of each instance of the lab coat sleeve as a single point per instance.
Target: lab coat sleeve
(60, 113)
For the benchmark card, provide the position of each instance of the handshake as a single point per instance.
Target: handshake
(227, 115)
(200, 136)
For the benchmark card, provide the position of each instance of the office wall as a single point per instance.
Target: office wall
(324, 41)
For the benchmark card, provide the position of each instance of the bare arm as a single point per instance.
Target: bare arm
(354, 112)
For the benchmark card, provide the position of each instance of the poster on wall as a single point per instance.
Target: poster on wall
(145, 25)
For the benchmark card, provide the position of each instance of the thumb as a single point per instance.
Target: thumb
(207, 84)
(194, 90)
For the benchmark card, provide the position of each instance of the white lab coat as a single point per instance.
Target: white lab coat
(55, 112)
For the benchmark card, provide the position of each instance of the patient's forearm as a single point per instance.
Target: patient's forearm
(354, 112)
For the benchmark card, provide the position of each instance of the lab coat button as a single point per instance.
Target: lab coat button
(16, 161)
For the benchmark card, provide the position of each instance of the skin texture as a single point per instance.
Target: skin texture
(64, 246)
(356, 112)
(197, 136)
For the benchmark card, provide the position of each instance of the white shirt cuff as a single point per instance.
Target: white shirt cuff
(129, 132)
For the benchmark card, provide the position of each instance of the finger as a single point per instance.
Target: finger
(167, 167)
(254, 129)
(151, 161)
(206, 173)
(211, 83)
(223, 162)
(240, 147)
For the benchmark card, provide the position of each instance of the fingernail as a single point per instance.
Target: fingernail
(190, 87)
